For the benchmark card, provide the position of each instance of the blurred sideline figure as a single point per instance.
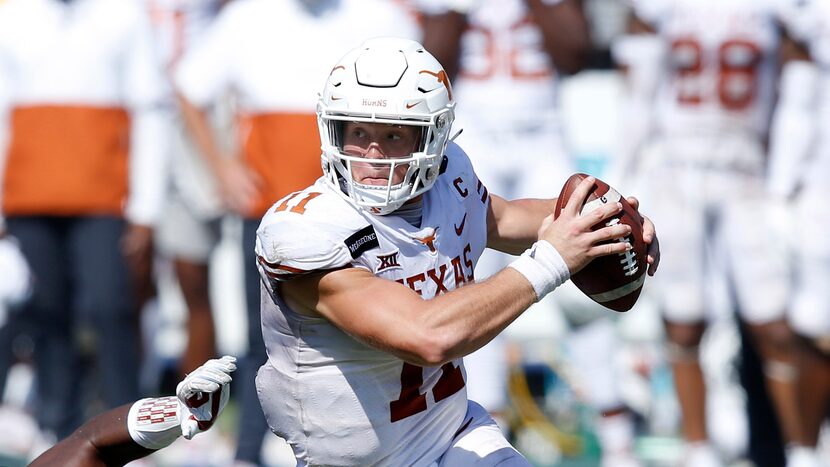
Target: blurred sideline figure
(136, 430)
(273, 56)
(801, 152)
(15, 289)
(82, 188)
(507, 59)
(191, 226)
(711, 72)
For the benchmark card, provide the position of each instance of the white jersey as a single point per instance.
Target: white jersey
(721, 62)
(338, 401)
(70, 72)
(502, 54)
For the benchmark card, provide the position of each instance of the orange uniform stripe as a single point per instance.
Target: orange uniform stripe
(66, 160)
(284, 149)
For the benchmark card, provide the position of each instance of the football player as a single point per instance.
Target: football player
(83, 183)
(716, 75)
(800, 152)
(137, 430)
(370, 299)
(189, 229)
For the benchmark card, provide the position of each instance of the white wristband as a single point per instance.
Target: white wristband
(543, 267)
(154, 423)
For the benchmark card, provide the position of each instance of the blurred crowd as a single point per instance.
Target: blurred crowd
(141, 141)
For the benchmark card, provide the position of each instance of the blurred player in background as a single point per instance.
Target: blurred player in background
(716, 64)
(191, 226)
(137, 430)
(82, 187)
(800, 152)
(15, 289)
(506, 59)
(272, 55)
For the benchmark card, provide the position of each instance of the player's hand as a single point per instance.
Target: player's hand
(204, 393)
(572, 235)
(238, 185)
(649, 236)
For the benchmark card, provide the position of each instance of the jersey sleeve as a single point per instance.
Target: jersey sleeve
(287, 247)
(311, 231)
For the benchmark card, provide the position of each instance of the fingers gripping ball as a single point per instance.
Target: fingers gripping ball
(204, 393)
(614, 281)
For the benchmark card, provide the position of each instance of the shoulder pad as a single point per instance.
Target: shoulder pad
(308, 232)
(456, 161)
(459, 166)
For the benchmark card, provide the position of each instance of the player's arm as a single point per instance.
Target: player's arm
(513, 226)
(639, 54)
(393, 318)
(203, 75)
(237, 183)
(442, 31)
(565, 31)
(793, 126)
(198, 125)
(103, 440)
(126, 433)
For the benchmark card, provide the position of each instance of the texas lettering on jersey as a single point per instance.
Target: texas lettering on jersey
(462, 273)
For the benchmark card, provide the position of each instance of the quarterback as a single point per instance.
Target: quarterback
(370, 300)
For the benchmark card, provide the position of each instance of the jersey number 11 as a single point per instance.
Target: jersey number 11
(412, 401)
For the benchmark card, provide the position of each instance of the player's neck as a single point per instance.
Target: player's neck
(411, 211)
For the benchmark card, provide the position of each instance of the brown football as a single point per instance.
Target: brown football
(614, 281)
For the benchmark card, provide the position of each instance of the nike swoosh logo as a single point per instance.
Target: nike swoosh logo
(459, 229)
(335, 98)
(409, 106)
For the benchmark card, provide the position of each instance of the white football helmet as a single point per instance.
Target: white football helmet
(394, 81)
